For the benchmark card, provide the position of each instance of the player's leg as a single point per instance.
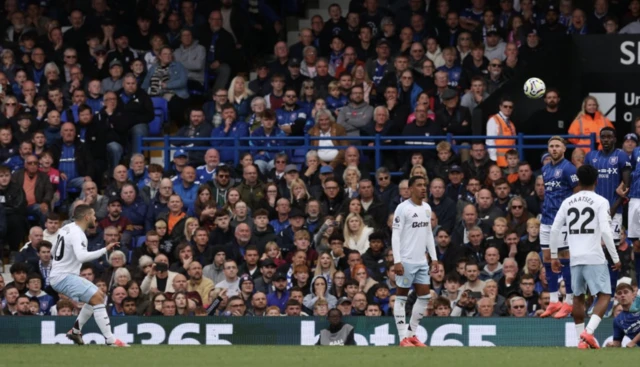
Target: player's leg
(399, 313)
(96, 300)
(550, 275)
(567, 305)
(579, 304)
(75, 287)
(418, 311)
(597, 279)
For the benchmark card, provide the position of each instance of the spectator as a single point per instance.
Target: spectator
(37, 188)
(192, 56)
(73, 158)
(14, 202)
(231, 127)
(589, 120)
(168, 79)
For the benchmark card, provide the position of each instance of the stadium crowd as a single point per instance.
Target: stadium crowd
(279, 232)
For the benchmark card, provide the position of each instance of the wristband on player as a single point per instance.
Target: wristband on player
(554, 256)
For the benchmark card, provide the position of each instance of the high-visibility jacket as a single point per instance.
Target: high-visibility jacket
(585, 125)
(504, 129)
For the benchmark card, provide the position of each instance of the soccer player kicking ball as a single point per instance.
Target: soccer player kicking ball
(411, 239)
(69, 253)
(586, 215)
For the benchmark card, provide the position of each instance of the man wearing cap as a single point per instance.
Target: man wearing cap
(495, 46)
(264, 280)
(630, 143)
(215, 270)
(294, 75)
(279, 294)
(261, 85)
(455, 188)
(291, 173)
(113, 83)
(122, 52)
(378, 66)
(286, 236)
(552, 31)
(453, 118)
(344, 305)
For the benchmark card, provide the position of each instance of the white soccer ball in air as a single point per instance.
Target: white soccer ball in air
(534, 88)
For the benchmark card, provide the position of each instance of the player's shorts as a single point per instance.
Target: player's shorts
(634, 218)
(545, 237)
(616, 225)
(76, 288)
(413, 274)
(594, 278)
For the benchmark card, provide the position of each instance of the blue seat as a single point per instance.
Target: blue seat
(161, 112)
(139, 241)
(299, 156)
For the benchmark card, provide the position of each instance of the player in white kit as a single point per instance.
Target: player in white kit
(586, 215)
(69, 253)
(411, 238)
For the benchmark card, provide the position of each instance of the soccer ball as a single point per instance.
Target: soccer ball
(534, 88)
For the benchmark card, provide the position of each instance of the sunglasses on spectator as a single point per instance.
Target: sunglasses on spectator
(518, 306)
(516, 206)
(32, 163)
(496, 65)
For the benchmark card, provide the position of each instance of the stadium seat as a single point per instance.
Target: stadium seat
(161, 112)
(139, 241)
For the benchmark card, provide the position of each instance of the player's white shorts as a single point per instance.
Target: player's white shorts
(616, 225)
(634, 218)
(76, 288)
(594, 278)
(413, 274)
(545, 237)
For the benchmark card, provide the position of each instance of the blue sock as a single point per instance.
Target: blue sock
(637, 261)
(613, 276)
(566, 275)
(552, 278)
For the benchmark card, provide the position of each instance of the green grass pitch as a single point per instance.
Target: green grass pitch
(277, 356)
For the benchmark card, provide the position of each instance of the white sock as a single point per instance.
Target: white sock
(419, 309)
(579, 330)
(594, 321)
(102, 319)
(553, 297)
(85, 314)
(400, 316)
(569, 299)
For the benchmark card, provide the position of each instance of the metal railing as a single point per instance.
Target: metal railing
(380, 143)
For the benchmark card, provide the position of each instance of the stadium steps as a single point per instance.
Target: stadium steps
(314, 7)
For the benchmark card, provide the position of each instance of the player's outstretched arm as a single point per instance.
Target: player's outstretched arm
(83, 255)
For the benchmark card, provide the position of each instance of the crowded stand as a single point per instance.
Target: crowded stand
(245, 173)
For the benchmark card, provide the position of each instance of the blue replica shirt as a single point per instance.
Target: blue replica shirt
(454, 73)
(626, 324)
(471, 14)
(203, 175)
(634, 190)
(610, 167)
(559, 181)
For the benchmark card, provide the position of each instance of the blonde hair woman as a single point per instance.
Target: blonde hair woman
(419, 170)
(190, 227)
(361, 77)
(325, 267)
(299, 194)
(589, 120)
(240, 97)
(356, 233)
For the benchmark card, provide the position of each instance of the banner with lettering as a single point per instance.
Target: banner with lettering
(370, 331)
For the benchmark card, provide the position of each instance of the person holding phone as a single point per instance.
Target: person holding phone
(159, 278)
